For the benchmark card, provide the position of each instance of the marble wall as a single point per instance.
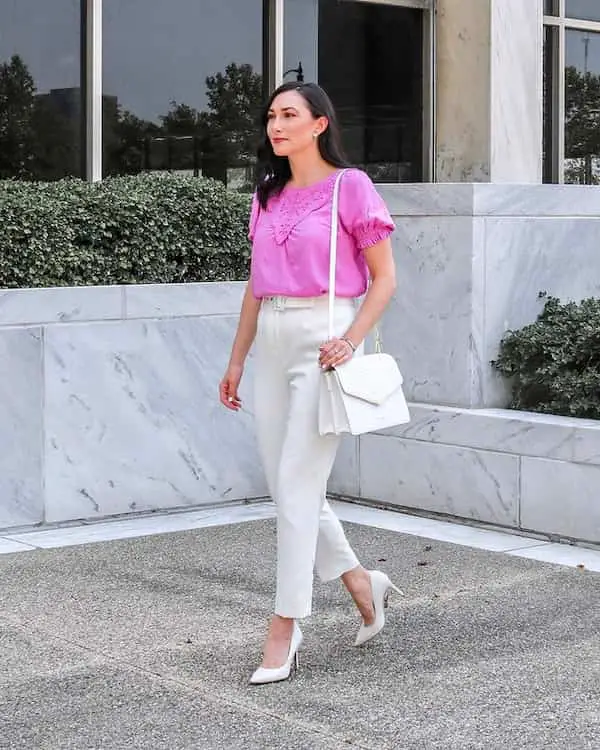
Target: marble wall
(108, 402)
(489, 91)
(525, 471)
(471, 262)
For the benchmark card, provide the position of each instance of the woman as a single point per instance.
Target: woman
(285, 309)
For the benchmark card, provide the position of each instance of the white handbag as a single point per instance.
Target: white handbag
(365, 393)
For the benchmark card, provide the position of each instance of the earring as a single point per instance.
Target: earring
(315, 135)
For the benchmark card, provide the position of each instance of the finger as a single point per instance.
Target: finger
(228, 396)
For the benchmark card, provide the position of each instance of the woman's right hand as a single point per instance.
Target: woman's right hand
(228, 387)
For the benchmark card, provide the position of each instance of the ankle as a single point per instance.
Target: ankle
(356, 578)
(281, 626)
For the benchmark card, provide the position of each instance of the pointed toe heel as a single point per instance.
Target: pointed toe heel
(381, 587)
(264, 676)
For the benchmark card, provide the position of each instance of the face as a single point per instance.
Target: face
(291, 127)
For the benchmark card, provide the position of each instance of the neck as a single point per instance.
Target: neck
(309, 168)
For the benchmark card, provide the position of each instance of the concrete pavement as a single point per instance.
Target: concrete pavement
(149, 642)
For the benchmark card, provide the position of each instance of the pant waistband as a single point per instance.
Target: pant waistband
(282, 303)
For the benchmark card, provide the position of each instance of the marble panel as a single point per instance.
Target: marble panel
(428, 199)
(344, 478)
(463, 65)
(433, 528)
(523, 258)
(133, 421)
(21, 425)
(562, 554)
(515, 91)
(60, 305)
(536, 200)
(160, 523)
(9, 547)
(179, 300)
(505, 431)
(428, 326)
(561, 498)
(479, 485)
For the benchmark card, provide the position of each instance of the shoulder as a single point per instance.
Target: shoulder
(357, 192)
(355, 177)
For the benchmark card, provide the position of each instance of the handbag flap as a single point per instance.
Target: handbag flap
(371, 377)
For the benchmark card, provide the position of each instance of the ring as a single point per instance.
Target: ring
(230, 399)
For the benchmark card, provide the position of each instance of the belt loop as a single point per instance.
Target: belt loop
(278, 303)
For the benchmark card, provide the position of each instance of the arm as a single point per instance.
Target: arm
(246, 330)
(380, 262)
(244, 337)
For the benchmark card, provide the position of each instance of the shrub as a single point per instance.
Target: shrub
(554, 363)
(124, 230)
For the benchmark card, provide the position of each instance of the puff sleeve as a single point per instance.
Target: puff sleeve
(362, 210)
(254, 211)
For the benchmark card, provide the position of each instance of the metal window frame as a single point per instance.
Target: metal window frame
(91, 89)
(562, 23)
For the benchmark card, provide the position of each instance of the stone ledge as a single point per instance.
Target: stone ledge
(505, 431)
(92, 304)
(488, 199)
(533, 472)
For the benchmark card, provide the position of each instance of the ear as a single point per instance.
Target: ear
(321, 125)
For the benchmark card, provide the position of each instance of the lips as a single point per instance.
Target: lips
(279, 140)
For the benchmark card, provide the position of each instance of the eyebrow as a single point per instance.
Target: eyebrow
(286, 109)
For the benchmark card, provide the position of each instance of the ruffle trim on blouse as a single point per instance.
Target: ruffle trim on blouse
(371, 234)
(294, 205)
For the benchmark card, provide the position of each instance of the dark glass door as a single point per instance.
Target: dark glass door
(371, 63)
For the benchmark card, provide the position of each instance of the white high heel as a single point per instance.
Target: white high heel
(381, 587)
(262, 676)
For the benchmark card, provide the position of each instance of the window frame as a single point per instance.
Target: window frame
(560, 23)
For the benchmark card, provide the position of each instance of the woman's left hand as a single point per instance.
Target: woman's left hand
(334, 353)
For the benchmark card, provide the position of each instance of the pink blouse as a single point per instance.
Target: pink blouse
(290, 239)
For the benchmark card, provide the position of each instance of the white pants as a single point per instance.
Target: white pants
(296, 459)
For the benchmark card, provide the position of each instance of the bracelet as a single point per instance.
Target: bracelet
(350, 344)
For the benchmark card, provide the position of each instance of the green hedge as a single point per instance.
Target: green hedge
(554, 363)
(124, 230)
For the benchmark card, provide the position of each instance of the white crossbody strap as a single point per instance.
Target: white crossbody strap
(333, 260)
(333, 248)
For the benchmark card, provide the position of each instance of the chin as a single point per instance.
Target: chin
(281, 149)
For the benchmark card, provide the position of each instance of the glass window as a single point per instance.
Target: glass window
(549, 7)
(40, 94)
(183, 87)
(370, 61)
(582, 108)
(550, 50)
(585, 10)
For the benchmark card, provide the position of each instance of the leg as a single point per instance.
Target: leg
(271, 403)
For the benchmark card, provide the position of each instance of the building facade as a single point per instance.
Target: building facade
(426, 90)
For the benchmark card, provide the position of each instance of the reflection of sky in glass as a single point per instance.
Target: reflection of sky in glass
(154, 50)
(46, 35)
(158, 51)
(586, 10)
(575, 52)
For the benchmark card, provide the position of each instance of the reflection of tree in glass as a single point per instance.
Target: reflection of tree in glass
(225, 135)
(40, 133)
(582, 126)
(17, 104)
(37, 139)
(234, 101)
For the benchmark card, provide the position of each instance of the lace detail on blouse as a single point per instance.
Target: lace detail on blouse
(294, 204)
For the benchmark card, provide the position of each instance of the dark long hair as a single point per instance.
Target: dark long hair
(273, 172)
